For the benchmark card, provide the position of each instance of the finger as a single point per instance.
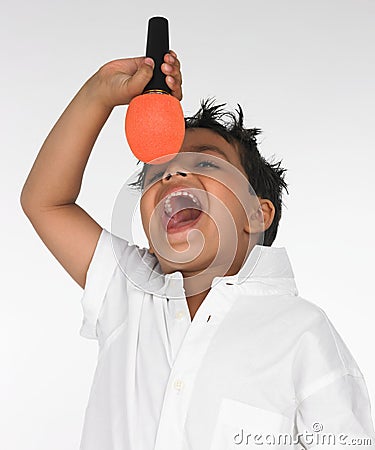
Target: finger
(141, 77)
(174, 86)
(128, 66)
(171, 67)
(172, 59)
(172, 70)
(173, 79)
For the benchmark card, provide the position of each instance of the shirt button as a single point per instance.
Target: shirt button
(178, 385)
(180, 315)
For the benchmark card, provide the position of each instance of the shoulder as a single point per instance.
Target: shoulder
(116, 265)
(113, 248)
(320, 353)
(319, 327)
(317, 348)
(307, 317)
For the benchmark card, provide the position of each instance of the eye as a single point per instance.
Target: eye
(152, 178)
(207, 163)
(156, 176)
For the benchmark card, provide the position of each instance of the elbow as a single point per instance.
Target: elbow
(26, 201)
(23, 201)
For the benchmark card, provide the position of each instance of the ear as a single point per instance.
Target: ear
(262, 218)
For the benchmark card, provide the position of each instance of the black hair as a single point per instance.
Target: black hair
(265, 177)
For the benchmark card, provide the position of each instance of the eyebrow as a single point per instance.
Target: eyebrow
(204, 148)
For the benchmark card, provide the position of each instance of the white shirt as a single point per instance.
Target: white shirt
(256, 359)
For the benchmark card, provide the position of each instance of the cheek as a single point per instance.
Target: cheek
(146, 211)
(227, 202)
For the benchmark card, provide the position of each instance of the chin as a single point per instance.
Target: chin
(198, 264)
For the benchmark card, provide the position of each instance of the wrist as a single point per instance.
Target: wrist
(96, 95)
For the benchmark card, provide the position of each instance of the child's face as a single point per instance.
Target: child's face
(197, 210)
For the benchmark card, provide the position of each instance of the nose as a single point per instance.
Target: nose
(175, 167)
(178, 172)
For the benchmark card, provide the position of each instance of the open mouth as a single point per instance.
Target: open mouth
(182, 209)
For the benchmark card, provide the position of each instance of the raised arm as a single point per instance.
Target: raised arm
(49, 194)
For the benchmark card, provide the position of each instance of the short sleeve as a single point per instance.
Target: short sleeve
(330, 389)
(337, 415)
(102, 266)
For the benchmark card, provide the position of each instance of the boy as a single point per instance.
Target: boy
(203, 341)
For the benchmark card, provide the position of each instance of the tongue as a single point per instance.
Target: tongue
(183, 217)
(184, 211)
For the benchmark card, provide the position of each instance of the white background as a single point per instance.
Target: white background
(302, 70)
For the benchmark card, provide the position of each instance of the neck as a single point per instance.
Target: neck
(195, 301)
(198, 285)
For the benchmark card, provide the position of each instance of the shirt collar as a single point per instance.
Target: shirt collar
(265, 266)
(266, 262)
(268, 267)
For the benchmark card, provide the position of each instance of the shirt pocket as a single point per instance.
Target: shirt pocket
(240, 425)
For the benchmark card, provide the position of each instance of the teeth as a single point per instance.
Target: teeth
(167, 201)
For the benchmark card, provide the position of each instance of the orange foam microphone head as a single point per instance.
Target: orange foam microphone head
(154, 123)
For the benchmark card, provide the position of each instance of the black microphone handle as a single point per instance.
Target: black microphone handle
(157, 47)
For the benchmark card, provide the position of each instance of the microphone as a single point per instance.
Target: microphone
(154, 122)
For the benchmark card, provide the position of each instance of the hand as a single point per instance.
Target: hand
(119, 81)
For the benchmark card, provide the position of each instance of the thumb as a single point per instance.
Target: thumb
(142, 76)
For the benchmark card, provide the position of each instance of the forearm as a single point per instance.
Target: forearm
(56, 176)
